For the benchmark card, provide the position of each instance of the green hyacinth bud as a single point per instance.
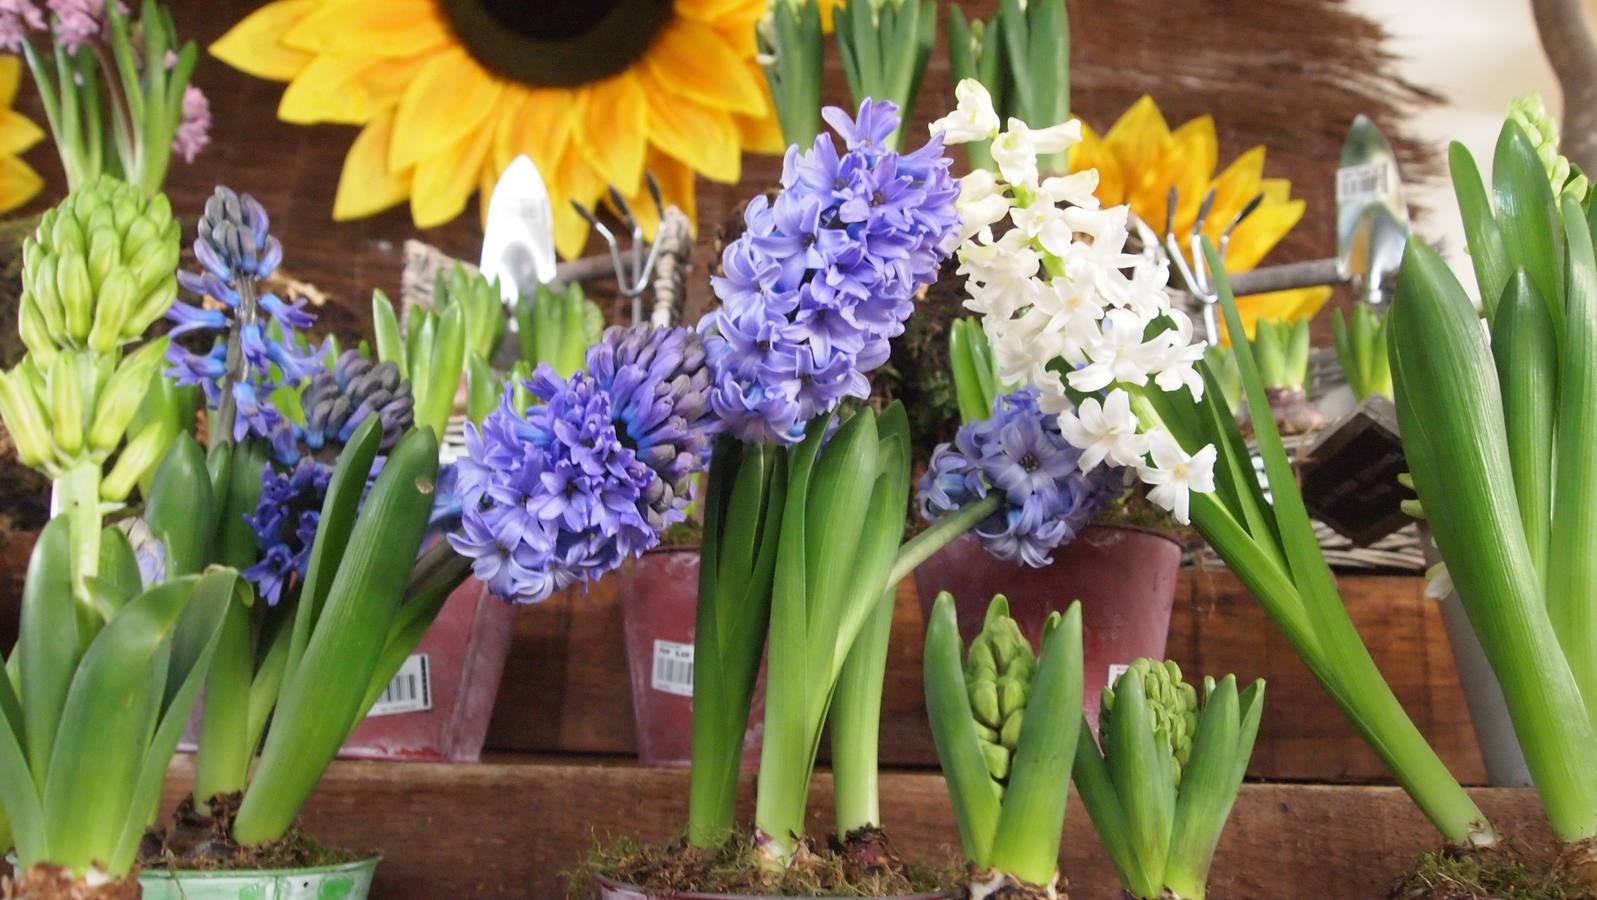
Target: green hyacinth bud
(1172, 704)
(1531, 114)
(998, 672)
(99, 270)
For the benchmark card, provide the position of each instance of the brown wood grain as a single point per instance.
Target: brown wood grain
(566, 688)
(513, 829)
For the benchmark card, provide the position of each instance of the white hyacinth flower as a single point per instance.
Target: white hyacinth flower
(973, 118)
(1175, 474)
(1105, 431)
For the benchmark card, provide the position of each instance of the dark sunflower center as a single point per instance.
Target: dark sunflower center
(557, 43)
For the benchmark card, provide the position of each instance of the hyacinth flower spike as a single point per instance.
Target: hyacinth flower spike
(1006, 725)
(1162, 786)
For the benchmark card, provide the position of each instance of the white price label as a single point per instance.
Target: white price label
(1115, 671)
(410, 691)
(1355, 183)
(673, 668)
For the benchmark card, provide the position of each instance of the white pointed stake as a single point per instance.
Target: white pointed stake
(518, 245)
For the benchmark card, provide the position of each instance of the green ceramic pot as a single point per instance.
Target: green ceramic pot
(346, 881)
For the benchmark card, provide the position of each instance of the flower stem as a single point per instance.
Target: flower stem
(856, 723)
(920, 548)
(234, 368)
(76, 495)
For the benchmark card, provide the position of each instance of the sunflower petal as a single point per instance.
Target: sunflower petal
(694, 61)
(1238, 184)
(448, 100)
(1092, 154)
(17, 133)
(760, 134)
(392, 28)
(1290, 306)
(575, 180)
(18, 183)
(676, 189)
(444, 181)
(1138, 140)
(328, 90)
(1260, 232)
(541, 127)
(386, 81)
(366, 186)
(614, 133)
(256, 46)
(703, 138)
(10, 79)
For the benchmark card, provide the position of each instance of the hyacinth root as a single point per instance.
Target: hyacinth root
(994, 885)
(47, 882)
(1576, 869)
(1499, 871)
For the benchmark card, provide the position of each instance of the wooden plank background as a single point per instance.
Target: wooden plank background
(566, 688)
(514, 829)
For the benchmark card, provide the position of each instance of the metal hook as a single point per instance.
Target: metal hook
(634, 267)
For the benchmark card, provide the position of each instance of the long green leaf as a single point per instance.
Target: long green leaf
(1450, 413)
(320, 696)
(390, 345)
(105, 727)
(1487, 251)
(1031, 821)
(180, 508)
(975, 795)
(195, 642)
(1109, 820)
(1526, 353)
(445, 365)
(48, 643)
(19, 795)
(1139, 767)
(1209, 785)
(1572, 559)
(1525, 208)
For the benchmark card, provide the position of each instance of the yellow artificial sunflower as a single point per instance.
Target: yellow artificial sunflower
(1140, 159)
(450, 91)
(18, 182)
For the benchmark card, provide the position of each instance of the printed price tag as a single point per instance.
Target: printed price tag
(1361, 182)
(673, 668)
(1115, 671)
(410, 691)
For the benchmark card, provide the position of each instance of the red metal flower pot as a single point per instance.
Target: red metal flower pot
(1125, 578)
(659, 595)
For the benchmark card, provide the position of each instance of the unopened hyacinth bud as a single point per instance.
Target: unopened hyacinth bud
(99, 269)
(1542, 129)
(485, 317)
(1172, 704)
(998, 672)
(338, 400)
(235, 237)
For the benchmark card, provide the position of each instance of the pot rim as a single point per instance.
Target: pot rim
(173, 873)
(611, 883)
(1126, 526)
(670, 548)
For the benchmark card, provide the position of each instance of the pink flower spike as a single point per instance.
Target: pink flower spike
(194, 132)
(17, 18)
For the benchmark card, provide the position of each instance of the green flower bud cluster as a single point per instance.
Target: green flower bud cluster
(1172, 707)
(998, 673)
(1532, 115)
(99, 270)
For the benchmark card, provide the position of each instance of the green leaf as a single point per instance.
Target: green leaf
(180, 508)
(443, 377)
(1031, 822)
(975, 796)
(1209, 786)
(321, 695)
(1487, 251)
(48, 643)
(390, 345)
(1139, 764)
(1109, 820)
(1525, 351)
(106, 725)
(483, 389)
(1526, 208)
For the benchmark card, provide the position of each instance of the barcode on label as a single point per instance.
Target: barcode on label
(673, 668)
(1115, 671)
(1360, 182)
(410, 691)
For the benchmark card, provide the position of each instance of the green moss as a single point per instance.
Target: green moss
(1500, 874)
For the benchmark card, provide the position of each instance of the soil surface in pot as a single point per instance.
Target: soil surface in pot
(46, 882)
(861, 865)
(198, 842)
(1507, 872)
